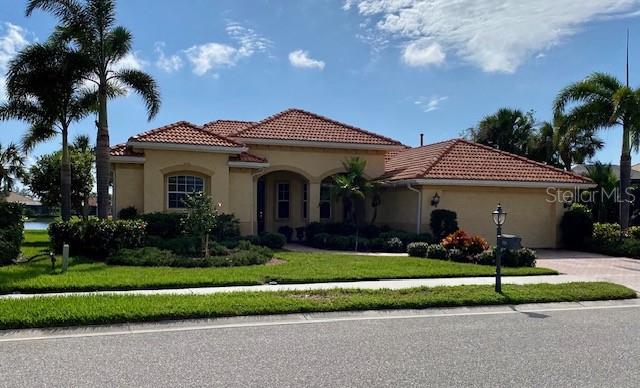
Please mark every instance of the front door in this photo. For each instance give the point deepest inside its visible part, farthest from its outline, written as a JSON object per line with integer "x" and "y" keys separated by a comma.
{"x": 261, "y": 203}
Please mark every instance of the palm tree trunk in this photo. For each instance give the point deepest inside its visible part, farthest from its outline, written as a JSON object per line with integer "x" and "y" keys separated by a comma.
{"x": 65, "y": 178}
{"x": 625, "y": 176}
{"x": 103, "y": 168}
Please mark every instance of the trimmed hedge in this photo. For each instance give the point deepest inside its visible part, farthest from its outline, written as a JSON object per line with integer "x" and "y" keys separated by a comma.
{"x": 576, "y": 228}
{"x": 97, "y": 238}
{"x": 11, "y": 231}
{"x": 154, "y": 257}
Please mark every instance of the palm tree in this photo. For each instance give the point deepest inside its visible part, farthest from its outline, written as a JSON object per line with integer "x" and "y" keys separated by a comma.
{"x": 352, "y": 187}
{"x": 90, "y": 24}
{"x": 44, "y": 87}
{"x": 11, "y": 167}
{"x": 601, "y": 101}
{"x": 508, "y": 130}
{"x": 606, "y": 180}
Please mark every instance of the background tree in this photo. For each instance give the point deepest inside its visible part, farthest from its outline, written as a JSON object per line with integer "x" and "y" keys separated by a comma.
{"x": 601, "y": 101}
{"x": 90, "y": 25}
{"x": 352, "y": 187}
{"x": 508, "y": 130}
{"x": 44, "y": 179}
{"x": 603, "y": 197}
{"x": 11, "y": 167}
{"x": 44, "y": 85}
{"x": 574, "y": 143}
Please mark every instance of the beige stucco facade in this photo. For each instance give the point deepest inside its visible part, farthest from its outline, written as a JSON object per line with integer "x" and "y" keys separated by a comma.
{"x": 143, "y": 185}
{"x": 533, "y": 213}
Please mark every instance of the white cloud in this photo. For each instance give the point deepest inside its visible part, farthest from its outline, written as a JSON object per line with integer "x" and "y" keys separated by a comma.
{"x": 130, "y": 61}
{"x": 213, "y": 55}
{"x": 167, "y": 63}
{"x": 301, "y": 58}
{"x": 495, "y": 35}
{"x": 423, "y": 52}
{"x": 12, "y": 40}
{"x": 428, "y": 104}
{"x": 210, "y": 56}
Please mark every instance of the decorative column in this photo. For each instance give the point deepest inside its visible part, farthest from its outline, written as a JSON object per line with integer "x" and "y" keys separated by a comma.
{"x": 314, "y": 201}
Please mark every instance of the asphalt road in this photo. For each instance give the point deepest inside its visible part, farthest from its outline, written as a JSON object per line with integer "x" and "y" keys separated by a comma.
{"x": 575, "y": 348}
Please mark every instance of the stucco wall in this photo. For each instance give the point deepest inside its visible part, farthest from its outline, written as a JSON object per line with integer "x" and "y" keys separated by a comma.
{"x": 160, "y": 163}
{"x": 530, "y": 214}
{"x": 129, "y": 181}
{"x": 241, "y": 196}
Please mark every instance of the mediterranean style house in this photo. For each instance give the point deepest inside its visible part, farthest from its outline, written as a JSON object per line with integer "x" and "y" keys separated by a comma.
{"x": 278, "y": 172}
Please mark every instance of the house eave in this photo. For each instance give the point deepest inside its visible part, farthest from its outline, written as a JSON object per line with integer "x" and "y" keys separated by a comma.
{"x": 186, "y": 147}
{"x": 489, "y": 183}
{"x": 318, "y": 144}
{"x": 127, "y": 159}
{"x": 248, "y": 164}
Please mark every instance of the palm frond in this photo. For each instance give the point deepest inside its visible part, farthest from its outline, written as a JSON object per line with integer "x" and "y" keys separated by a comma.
{"x": 143, "y": 84}
{"x": 37, "y": 132}
{"x": 117, "y": 43}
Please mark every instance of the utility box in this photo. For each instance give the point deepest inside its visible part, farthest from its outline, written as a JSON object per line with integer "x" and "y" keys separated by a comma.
{"x": 510, "y": 242}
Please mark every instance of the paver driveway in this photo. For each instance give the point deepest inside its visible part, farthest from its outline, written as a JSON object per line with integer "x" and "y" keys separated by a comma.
{"x": 621, "y": 270}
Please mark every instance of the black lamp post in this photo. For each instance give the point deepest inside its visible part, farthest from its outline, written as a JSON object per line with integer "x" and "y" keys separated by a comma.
{"x": 499, "y": 217}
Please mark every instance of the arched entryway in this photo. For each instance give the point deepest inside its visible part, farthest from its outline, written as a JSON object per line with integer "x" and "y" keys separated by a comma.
{"x": 283, "y": 199}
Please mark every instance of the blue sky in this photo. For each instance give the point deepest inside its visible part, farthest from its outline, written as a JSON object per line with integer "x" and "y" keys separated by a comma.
{"x": 396, "y": 67}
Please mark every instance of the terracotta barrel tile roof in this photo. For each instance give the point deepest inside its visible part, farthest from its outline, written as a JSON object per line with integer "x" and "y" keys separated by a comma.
{"x": 122, "y": 150}
{"x": 465, "y": 160}
{"x": 300, "y": 125}
{"x": 227, "y": 127}
{"x": 184, "y": 132}
{"x": 247, "y": 157}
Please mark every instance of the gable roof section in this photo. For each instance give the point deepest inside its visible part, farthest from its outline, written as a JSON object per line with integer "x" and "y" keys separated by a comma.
{"x": 123, "y": 150}
{"x": 299, "y": 127}
{"x": 185, "y": 134}
{"x": 463, "y": 160}
{"x": 227, "y": 127}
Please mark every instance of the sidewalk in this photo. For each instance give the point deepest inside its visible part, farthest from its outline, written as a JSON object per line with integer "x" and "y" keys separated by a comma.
{"x": 394, "y": 284}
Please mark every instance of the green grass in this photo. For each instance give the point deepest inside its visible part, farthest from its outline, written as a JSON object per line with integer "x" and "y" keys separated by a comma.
{"x": 103, "y": 309}
{"x": 36, "y": 277}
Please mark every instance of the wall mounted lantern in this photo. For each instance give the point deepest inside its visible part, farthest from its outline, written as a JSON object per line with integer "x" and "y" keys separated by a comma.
{"x": 435, "y": 200}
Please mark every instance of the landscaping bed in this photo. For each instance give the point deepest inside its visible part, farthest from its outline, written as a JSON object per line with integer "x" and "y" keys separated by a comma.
{"x": 86, "y": 275}
{"x": 107, "y": 309}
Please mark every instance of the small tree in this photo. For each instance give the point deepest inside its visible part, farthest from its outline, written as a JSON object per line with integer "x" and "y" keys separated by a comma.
{"x": 201, "y": 218}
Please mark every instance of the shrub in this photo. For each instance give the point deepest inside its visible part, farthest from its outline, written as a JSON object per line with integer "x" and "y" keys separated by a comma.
{"x": 128, "y": 213}
{"x": 523, "y": 257}
{"x": 312, "y": 229}
{"x": 253, "y": 239}
{"x": 183, "y": 245}
{"x": 629, "y": 248}
{"x": 632, "y": 231}
{"x": 394, "y": 244}
{"x": 152, "y": 256}
{"x": 457, "y": 240}
{"x": 339, "y": 228}
{"x": 458, "y": 255}
{"x": 97, "y": 238}
{"x": 576, "y": 227}
{"x": 443, "y": 223}
{"x": 476, "y": 245}
{"x": 11, "y": 231}
{"x": 606, "y": 234}
{"x": 418, "y": 249}
{"x": 320, "y": 240}
{"x": 376, "y": 244}
{"x": 273, "y": 240}
{"x": 287, "y": 232}
{"x": 226, "y": 227}
{"x": 166, "y": 225}
{"x": 436, "y": 251}
{"x": 370, "y": 231}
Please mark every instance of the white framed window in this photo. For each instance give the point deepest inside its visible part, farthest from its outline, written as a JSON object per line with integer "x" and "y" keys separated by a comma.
{"x": 325, "y": 201}
{"x": 283, "y": 194}
{"x": 180, "y": 186}
{"x": 305, "y": 201}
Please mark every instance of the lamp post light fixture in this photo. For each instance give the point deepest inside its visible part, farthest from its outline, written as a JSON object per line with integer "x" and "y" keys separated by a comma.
{"x": 435, "y": 200}
{"x": 499, "y": 216}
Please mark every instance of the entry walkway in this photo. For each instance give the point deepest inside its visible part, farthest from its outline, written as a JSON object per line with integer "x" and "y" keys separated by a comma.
{"x": 394, "y": 284}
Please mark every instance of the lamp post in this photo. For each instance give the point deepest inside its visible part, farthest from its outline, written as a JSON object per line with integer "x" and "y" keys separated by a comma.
{"x": 499, "y": 217}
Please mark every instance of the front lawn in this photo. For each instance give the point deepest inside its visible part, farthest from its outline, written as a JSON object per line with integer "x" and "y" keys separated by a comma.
{"x": 36, "y": 277}
{"x": 103, "y": 309}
